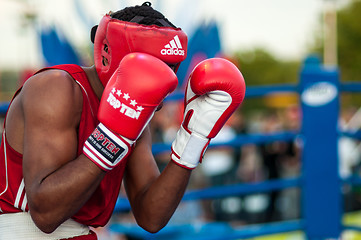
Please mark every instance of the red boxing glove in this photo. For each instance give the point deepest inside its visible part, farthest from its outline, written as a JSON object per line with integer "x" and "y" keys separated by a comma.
{"x": 214, "y": 91}
{"x": 138, "y": 86}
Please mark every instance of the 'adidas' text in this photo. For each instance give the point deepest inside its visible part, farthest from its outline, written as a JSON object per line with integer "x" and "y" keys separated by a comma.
{"x": 174, "y": 47}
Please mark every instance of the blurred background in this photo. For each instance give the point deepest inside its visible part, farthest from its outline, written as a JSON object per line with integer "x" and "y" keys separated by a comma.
{"x": 274, "y": 36}
{"x": 267, "y": 39}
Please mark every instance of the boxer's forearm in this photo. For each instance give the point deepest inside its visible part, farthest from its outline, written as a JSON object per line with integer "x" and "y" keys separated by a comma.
{"x": 156, "y": 205}
{"x": 61, "y": 194}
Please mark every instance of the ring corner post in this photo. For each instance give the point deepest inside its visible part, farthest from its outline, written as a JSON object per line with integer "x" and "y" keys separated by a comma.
{"x": 321, "y": 193}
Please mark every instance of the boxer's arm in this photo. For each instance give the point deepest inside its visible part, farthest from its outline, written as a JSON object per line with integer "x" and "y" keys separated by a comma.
{"x": 57, "y": 183}
{"x": 153, "y": 196}
{"x": 214, "y": 91}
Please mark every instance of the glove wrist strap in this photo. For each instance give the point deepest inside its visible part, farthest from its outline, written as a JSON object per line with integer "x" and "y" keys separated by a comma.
{"x": 188, "y": 148}
{"x": 105, "y": 148}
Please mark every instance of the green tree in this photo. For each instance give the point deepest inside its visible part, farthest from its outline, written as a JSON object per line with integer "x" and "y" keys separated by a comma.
{"x": 349, "y": 41}
{"x": 259, "y": 67}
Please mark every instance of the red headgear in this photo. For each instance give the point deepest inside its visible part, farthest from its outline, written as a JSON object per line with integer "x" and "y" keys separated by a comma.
{"x": 115, "y": 38}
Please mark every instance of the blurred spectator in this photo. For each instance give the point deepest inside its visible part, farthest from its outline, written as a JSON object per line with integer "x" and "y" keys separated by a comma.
{"x": 281, "y": 159}
{"x": 349, "y": 149}
{"x": 270, "y": 155}
{"x": 350, "y": 156}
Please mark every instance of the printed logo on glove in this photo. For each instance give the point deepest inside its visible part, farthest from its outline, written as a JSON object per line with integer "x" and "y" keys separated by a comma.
{"x": 110, "y": 150}
{"x": 132, "y": 112}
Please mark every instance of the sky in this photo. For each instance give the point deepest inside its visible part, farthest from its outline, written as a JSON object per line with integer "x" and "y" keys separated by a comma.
{"x": 284, "y": 27}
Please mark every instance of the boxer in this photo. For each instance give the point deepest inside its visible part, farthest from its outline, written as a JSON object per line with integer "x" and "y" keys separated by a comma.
{"x": 72, "y": 134}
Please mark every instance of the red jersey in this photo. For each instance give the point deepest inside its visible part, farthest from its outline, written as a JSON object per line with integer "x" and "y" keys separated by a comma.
{"x": 99, "y": 208}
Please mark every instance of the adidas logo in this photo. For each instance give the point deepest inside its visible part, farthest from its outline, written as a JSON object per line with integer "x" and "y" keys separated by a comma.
{"x": 174, "y": 47}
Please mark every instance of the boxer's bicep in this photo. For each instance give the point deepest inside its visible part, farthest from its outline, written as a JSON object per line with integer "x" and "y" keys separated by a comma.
{"x": 50, "y": 121}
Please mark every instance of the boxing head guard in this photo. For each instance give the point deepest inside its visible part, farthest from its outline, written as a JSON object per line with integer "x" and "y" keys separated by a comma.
{"x": 115, "y": 38}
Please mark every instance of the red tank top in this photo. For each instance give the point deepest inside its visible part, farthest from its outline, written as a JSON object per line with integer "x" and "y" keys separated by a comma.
{"x": 99, "y": 208}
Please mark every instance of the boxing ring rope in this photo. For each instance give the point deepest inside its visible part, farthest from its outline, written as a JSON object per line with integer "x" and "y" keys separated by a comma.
{"x": 320, "y": 183}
